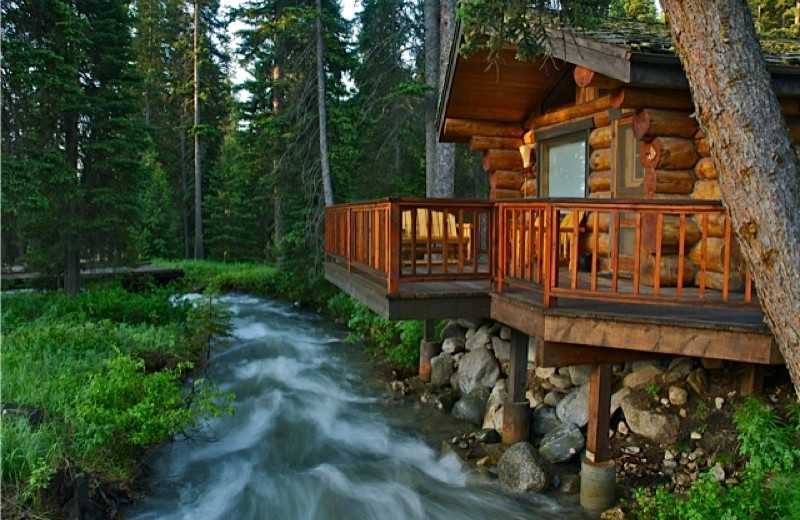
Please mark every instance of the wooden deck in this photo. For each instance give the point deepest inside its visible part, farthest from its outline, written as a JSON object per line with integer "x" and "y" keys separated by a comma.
{"x": 551, "y": 282}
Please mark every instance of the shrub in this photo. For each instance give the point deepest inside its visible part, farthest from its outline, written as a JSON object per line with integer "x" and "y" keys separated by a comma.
{"x": 769, "y": 487}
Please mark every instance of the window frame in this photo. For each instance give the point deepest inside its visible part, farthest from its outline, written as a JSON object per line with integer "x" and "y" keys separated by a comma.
{"x": 622, "y": 188}
{"x": 571, "y": 132}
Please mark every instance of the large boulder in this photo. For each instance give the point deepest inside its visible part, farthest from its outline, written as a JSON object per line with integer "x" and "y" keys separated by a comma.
{"x": 642, "y": 376}
{"x": 544, "y": 420}
{"x": 454, "y": 329}
{"x": 478, "y": 368}
{"x": 580, "y": 374}
{"x": 442, "y": 369}
{"x": 480, "y": 339}
{"x": 562, "y": 443}
{"x": 574, "y": 408}
{"x": 657, "y": 426}
{"x": 472, "y": 406}
{"x": 454, "y": 344}
{"x": 502, "y": 349}
{"x": 521, "y": 469}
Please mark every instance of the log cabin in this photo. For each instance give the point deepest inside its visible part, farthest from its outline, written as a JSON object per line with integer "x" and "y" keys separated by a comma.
{"x": 604, "y": 239}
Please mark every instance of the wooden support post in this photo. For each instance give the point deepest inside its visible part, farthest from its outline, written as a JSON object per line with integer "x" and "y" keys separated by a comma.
{"x": 518, "y": 369}
{"x": 752, "y": 379}
{"x": 516, "y": 410}
{"x": 597, "y": 450}
{"x": 428, "y": 349}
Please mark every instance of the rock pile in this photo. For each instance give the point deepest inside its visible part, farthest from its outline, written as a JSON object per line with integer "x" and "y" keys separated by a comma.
{"x": 647, "y": 406}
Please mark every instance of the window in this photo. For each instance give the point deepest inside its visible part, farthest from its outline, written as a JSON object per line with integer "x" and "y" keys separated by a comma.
{"x": 562, "y": 166}
{"x": 630, "y": 172}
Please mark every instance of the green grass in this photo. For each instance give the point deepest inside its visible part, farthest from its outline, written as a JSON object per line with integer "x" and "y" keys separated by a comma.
{"x": 770, "y": 485}
{"x": 81, "y": 362}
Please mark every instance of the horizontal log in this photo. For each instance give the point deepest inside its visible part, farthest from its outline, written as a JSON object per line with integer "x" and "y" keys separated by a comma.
{"x": 715, "y": 224}
{"x": 674, "y": 181}
{"x": 484, "y": 142}
{"x": 528, "y": 188}
{"x": 588, "y": 78}
{"x": 651, "y": 98}
{"x": 600, "y": 137}
{"x": 669, "y": 153}
{"x": 500, "y": 194}
{"x": 507, "y": 179}
{"x": 529, "y": 137}
{"x": 461, "y": 130}
{"x": 671, "y": 228}
{"x": 603, "y": 221}
{"x": 715, "y": 255}
{"x": 496, "y": 159}
{"x": 600, "y": 159}
{"x": 587, "y": 243}
{"x": 602, "y": 119}
{"x": 600, "y": 195}
{"x": 568, "y": 113}
{"x": 717, "y": 280}
{"x": 705, "y": 169}
{"x": 600, "y": 181}
{"x": 651, "y": 123}
{"x": 668, "y": 271}
{"x": 706, "y": 190}
{"x": 703, "y": 148}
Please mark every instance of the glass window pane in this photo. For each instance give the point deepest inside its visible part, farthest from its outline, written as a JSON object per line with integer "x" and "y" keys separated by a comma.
{"x": 566, "y": 169}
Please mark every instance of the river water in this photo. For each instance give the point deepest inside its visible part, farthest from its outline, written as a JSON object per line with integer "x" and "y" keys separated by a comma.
{"x": 313, "y": 437}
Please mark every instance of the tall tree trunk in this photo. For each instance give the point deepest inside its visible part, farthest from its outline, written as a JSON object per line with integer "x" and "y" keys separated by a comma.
{"x": 72, "y": 271}
{"x": 198, "y": 172}
{"x": 431, "y": 15}
{"x": 277, "y": 200}
{"x": 446, "y": 153}
{"x": 759, "y": 172}
{"x": 187, "y": 248}
{"x": 327, "y": 188}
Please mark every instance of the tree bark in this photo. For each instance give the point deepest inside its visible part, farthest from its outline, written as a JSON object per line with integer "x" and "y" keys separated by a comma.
{"x": 187, "y": 249}
{"x": 327, "y": 189}
{"x": 199, "y": 254}
{"x": 446, "y": 154}
{"x": 431, "y": 15}
{"x": 759, "y": 172}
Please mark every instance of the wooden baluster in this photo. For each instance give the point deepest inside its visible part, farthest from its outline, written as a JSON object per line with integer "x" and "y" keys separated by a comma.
{"x": 615, "y": 222}
{"x": 681, "y": 253}
{"x": 726, "y": 275}
{"x": 703, "y": 257}
{"x": 637, "y": 253}
{"x": 595, "y": 245}
{"x": 657, "y": 267}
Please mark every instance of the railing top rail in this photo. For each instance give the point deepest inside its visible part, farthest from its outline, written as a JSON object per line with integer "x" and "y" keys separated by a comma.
{"x": 417, "y": 203}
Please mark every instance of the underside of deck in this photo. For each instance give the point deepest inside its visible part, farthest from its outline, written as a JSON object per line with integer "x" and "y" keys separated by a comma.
{"x": 417, "y": 300}
{"x": 575, "y": 330}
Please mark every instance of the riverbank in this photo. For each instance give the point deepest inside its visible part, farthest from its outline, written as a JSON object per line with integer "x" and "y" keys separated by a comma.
{"x": 677, "y": 425}
{"x": 89, "y": 385}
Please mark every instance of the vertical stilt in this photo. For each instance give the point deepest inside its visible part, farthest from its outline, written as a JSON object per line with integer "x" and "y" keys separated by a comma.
{"x": 752, "y": 379}
{"x": 516, "y": 410}
{"x": 428, "y": 348}
{"x": 598, "y": 469}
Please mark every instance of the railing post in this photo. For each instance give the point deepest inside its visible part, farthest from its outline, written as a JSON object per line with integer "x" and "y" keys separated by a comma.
{"x": 550, "y": 253}
{"x": 350, "y": 238}
{"x": 393, "y": 233}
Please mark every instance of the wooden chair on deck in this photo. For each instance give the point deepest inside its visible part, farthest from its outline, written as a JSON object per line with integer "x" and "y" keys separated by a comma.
{"x": 527, "y": 240}
{"x": 435, "y": 234}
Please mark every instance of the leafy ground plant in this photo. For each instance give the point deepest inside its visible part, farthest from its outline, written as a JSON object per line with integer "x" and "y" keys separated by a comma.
{"x": 769, "y": 488}
{"x": 79, "y": 366}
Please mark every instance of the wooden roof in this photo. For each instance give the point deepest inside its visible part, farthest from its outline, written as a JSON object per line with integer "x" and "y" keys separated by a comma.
{"x": 636, "y": 54}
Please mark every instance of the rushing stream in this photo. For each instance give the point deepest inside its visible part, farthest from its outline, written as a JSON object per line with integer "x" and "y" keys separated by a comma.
{"x": 313, "y": 437}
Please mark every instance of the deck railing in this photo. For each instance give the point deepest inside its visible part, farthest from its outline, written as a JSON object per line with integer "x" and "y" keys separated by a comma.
{"x": 666, "y": 252}
{"x": 413, "y": 240}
